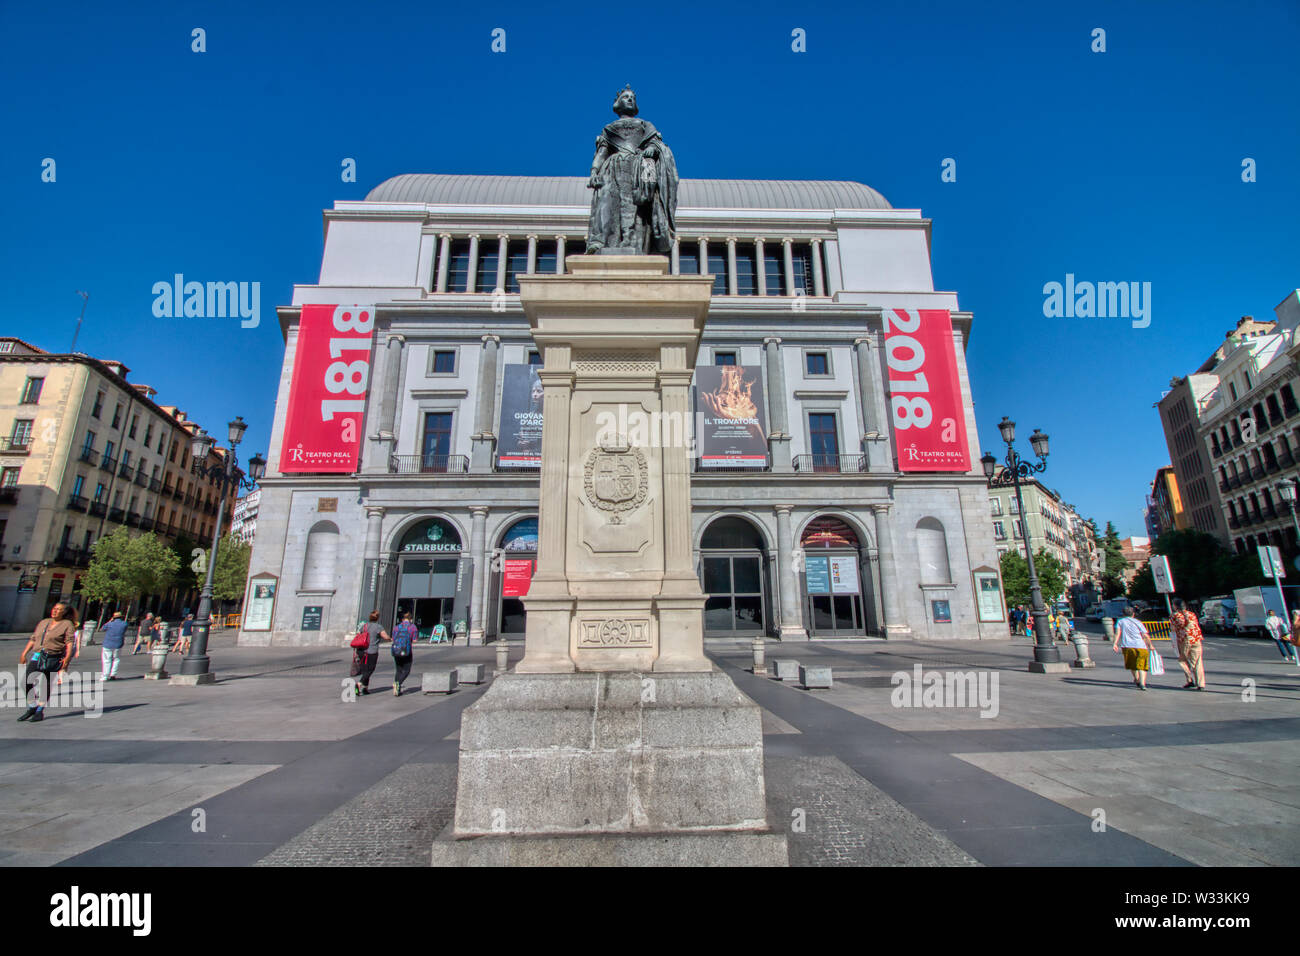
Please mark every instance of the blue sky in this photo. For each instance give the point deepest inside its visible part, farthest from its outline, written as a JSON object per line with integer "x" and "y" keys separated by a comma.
{"x": 1115, "y": 166}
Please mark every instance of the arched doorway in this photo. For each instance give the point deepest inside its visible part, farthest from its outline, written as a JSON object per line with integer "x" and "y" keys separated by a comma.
{"x": 733, "y": 565}
{"x": 513, "y": 574}
{"x": 428, "y": 558}
{"x": 833, "y": 592}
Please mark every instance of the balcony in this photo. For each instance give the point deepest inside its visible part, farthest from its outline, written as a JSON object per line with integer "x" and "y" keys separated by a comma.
{"x": 88, "y": 455}
{"x": 98, "y": 509}
{"x": 830, "y": 464}
{"x": 117, "y": 514}
{"x": 133, "y": 519}
{"x": 1223, "y": 484}
{"x": 428, "y": 464}
{"x": 141, "y": 479}
{"x": 1271, "y": 466}
{"x": 1270, "y": 511}
{"x": 1275, "y": 417}
{"x": 1286, "y": 459}
{"x": 1234, "y": 481}
{"x": 1256, "y": 473}
{"x": 107, "y": 463}
{"x": 77, "y": 503}
{"x": 146, "y": 523}
{"x": 9, "y": 496}
{"x": 126, "y": 471}
{"x": 15, "y": 446}
{"x": 72, "y": 557}
{"x": 189, "y": 501}
{"x": 1289, "y": 410}
{"x": 156, "y": 485}
{"x": 1234, "y": 523}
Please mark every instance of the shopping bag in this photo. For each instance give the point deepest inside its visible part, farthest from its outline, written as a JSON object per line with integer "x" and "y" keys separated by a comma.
{"x": 1157, "y": 664}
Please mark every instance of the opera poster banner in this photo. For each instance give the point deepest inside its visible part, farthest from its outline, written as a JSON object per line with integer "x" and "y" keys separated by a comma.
{"x": 516, "y": 577}
{"x": 520, "y": 444}
{"x": 924, "y": 392}
{"x": 327, "y": 394}
{"x": 731, "y": 431}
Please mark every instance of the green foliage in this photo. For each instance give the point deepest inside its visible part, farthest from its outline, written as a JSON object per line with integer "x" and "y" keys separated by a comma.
{"x": 1201, "y": 567}
{"x": 232, "y": 569}
{"x": 123, "y": 568}
{"x": 1112, "y": 578}
{"x": 186, "y": 578}
{"x": 1015, "y": 577}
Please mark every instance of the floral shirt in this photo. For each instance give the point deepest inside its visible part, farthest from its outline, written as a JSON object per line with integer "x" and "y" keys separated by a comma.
{"x": 1186, "y": 626}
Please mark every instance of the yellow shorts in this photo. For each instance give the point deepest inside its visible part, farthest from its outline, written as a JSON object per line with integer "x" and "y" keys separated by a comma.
{"x": 1135, "y": 658}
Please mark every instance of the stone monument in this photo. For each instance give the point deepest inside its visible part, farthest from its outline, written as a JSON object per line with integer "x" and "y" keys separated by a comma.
{"x": 615, "y": 740}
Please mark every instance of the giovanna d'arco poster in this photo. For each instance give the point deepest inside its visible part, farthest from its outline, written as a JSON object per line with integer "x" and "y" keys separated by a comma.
{"x": 924, "y": 392}
{"x": 327, "y": 394}
{"x": 521, "y": 417}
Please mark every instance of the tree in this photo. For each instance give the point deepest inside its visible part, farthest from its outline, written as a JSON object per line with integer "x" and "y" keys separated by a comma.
{"x": 232, "y": 569}
{"x": 1015, "y": 577}
{"x": 1115, "y": 564}
{"x": 123, "y": 568}
{"x": 1200, "y": 566}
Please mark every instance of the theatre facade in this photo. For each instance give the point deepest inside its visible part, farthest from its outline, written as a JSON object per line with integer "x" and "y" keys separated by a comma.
{"x": 836, "y": 487}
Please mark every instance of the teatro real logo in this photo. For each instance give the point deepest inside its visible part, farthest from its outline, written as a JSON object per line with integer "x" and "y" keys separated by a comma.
{"x": 616, "y": 479}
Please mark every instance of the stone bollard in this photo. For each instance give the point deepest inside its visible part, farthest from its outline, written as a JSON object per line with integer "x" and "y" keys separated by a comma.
{"x": 1108, "y": 625}
{"x": 470, "y": 673}
{"x": 503, "y": 657}
{"x": 157, "y": 662}
{"x": 759, "y": 648}
{"x": 88, "y": 633}
{"x": 784, "y": 670}
{"x": 1082, "y": 659}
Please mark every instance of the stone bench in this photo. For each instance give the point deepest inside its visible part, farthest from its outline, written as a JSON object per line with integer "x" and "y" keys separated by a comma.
{"x": 814, "y": 677}
{"x": 785, "y": 670}
{"x": 438, "y": 682}
{"x": 471, "y": 673}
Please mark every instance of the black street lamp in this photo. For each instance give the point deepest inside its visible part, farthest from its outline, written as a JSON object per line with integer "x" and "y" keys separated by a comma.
{"x": 1045, "y": 650}
{"x": 1286, "y": 490}
{"x": 194, "y": 669}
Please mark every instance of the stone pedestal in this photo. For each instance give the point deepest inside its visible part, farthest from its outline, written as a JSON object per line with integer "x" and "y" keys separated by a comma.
{"x": 615, "y": 740}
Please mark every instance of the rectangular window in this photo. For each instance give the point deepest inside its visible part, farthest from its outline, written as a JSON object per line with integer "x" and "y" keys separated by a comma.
{"x": 724, "y": 358}
{"x": 117, "y": 416}
{"x": 774, "y": 269}
{"x": 485, "y": 280}
{"x": 999, "y": 532}
{"x": 148, "y": 434}
{"x": 688, "y": 259}
{"x": 126, "y": 458}
{"x": 99, "y": 491}
{"x": 78, "y": 485}
{"x": 109, "y": 448}
{"x": 89, "y": 446}
{"x": 516, "y": 263}
{"x": 534, "y": 357}
{"x": 803, "y": 280}
{"x": 546, "y": 257}
{"x": 22, "y": 434}
{"x": 99, "y": 405}
{"x": 135, "y": 422}
{"x": 996, "y": 506}
{"x": 458, "y": 272}
{"x": 32, "y": 391}
{"x": 817, "y": 363}
{"x": 172, "y": 456}
{"x": 824, "y": 441}
{"x": 746, "y": 271}
{"x": 718, "y": 267}
{"x": 437, "y": 441}
{"x": 9, "y": 478}
{"x": 442, "y": 362}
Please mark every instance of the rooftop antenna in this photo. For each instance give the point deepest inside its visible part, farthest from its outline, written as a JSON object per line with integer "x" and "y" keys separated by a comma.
{"x": 85, "y": 298}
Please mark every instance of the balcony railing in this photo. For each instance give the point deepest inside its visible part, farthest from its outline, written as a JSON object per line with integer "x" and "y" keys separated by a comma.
{"x": 126, "y": 471}
{"x": 107, "y": 463}
{"x": 98, "y": 509}
{"x": 88, "y": 455}
{"x": 77, "y": 503}
{"x": 428, "y": 464}
{"x": 15, "y": 446}
{"x": 1234, "y": 523}
{"x": 1256, "y": 473}
{"x": 8, "y": 496}
{"x": 1234, "y": 481}
{"x": 146, "y": 524}
{"x": 72, "y": 557}
{"x": 155, "y": 484}
{"x": 1271, "y": 466}
{"x": 133, "y": 519}
{"x": 141, "y": 479}
{"x": 842, "y": 464}
{"x": 116, "y": 514}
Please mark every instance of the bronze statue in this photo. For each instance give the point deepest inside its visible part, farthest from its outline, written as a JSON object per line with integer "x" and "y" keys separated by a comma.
{"x": 634, "y": 178}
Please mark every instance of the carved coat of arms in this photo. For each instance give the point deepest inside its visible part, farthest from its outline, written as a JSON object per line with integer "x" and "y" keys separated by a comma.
{"x": 616, "y": 479}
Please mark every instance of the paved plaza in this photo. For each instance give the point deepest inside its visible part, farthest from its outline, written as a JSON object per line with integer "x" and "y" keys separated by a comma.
{"x": 270, "y": 766}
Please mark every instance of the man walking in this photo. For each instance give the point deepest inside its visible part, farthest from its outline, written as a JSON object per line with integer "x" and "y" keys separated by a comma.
{"x": 1187, "y": 634}
{"x": 145, "y": 634}
{"x": 110, "y": 653}
{"x": 1281, "y": 634}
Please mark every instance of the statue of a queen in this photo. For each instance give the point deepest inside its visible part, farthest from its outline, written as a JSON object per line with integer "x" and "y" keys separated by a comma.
{"x": 634, "y": 183}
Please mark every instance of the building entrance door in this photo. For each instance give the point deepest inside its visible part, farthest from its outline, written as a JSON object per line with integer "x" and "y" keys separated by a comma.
{"x": 733, "y": 567}
{"x": 426, "y": 588}
{"x": 833, "y": 592}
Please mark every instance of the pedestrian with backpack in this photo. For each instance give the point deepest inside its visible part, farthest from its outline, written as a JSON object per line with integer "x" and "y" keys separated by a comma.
{"x": 404, "y": 638}
{"x": 375, "y": 633}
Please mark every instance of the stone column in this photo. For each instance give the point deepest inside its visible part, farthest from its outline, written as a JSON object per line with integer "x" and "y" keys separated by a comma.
{"x": 791, "y": 628}
{"x": 873, "y": 572}
{"x": 549, "y": 604}
{"x": 760, "y": 267}
{"x": 819, "y": 281}
{"x": 876, "y": 449}
{"x": 471, "y": 272}
{"x": 503, "y": 246}
{"x": 385, "y": 441}
{"x": 779, "y": 438}
{"x": 484, "y": 439}
{"x": 895, "y": 622}
{"x": 676, "y": 267}
{"x": 787, "y": 247}
{"x": 559, "y": 255}
{"x": 532, "y": 254}
{"x": 444, "y": 260}
{"x": 732, "y": 278}
{"x": 704, "y": 255}
{"x": 370, "y": 597}
{"x": 478, "y": 551}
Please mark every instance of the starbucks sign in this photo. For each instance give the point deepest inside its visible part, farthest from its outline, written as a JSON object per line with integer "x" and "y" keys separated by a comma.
{"x": 431, "y": 537}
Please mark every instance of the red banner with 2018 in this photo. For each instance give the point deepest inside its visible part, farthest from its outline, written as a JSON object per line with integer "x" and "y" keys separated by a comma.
{"x": 925, "y": 401}
{"x": 327, "y": 395}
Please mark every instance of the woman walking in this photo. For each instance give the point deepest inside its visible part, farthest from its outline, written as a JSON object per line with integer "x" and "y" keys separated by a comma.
{"x": 376, "y": 633}
{"x": 50, "y": 646}
{"x": 1131, "y": 635}
{"x": 187, "y": 632}
{"x": 404, "y": 638}
{"x": 1187, "y": 632}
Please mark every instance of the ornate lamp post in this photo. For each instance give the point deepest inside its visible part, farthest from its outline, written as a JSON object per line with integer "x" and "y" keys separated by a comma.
{"x": 1045, "y": 651}
{"x": 194, "y": 669}
{"x": 1286, "y": 490}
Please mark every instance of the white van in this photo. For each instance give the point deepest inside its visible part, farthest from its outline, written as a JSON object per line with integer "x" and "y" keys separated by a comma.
{"x": 1219, "y": 616}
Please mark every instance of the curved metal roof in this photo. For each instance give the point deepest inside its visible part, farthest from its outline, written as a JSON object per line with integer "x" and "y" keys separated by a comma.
{"x": 455, "y": 190}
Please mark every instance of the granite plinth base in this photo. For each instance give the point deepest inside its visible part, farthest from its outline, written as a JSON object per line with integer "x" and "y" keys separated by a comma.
{"x": 191, "y": 680}
{"x": 1049, "y": 667}
{"x": 651, "y": 758}
{"x": 646, "y": 849}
